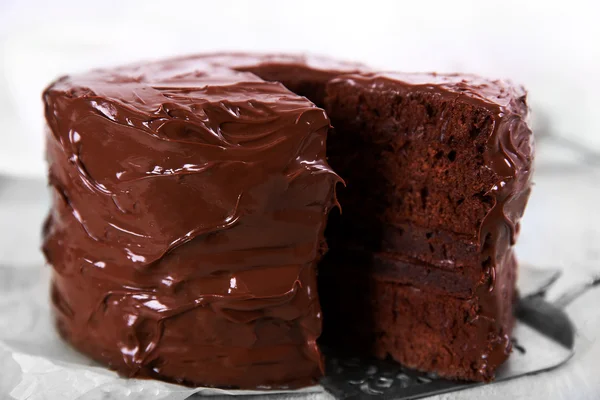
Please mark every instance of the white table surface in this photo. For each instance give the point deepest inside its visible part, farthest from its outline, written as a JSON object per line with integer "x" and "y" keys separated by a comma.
{"x": 561, "y": 229}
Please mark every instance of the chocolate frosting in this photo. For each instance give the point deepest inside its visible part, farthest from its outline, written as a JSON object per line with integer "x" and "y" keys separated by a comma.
{"x": 189, "y": 202}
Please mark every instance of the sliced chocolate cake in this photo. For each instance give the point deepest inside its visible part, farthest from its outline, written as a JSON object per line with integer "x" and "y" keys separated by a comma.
{"x": 191, "y": 196}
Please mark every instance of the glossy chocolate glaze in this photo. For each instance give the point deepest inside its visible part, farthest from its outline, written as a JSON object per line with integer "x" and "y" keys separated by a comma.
{"x": 189, "y": 203}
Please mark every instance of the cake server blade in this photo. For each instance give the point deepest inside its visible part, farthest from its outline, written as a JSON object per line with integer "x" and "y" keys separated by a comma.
{"x": 548, "y": 319}
{"x": 536, "y": 281}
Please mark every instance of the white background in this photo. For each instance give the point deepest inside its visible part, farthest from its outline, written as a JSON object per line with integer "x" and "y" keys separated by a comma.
{"x": 552, "y": 47}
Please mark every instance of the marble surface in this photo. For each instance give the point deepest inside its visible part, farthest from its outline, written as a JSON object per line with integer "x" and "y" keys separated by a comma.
{"x": 561, "y": 229}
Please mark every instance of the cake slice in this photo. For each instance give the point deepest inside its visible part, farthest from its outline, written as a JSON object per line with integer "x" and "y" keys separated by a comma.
{"x": 437, "y": 172}
{"x": 188, "y": 214}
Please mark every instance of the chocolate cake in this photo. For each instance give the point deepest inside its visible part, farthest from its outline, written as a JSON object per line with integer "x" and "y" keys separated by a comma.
{"x": 191, "y": 198}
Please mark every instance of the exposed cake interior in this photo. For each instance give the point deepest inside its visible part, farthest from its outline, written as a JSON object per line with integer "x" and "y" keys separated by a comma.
{"x": 413, "y": 163}
{"x": 432, "y": 215}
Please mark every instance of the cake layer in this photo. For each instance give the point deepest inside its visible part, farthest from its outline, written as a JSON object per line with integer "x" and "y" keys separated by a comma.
{"x": 424, "y": 329}
{"x": 459, "y": 282}
{"x": 188, "y": 215}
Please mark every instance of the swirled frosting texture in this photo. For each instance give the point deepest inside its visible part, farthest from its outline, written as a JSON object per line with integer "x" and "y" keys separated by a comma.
{"x": 189, "y": 203}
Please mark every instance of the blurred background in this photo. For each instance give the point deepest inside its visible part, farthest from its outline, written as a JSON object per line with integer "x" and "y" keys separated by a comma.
{"x": 551, "y": 47}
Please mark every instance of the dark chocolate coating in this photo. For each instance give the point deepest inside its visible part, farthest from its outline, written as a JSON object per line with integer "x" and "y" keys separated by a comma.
{"x": 189, "y": 203}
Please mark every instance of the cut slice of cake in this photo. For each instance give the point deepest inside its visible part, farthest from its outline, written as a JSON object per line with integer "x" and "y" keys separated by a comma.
{"x": 437, "y": 172}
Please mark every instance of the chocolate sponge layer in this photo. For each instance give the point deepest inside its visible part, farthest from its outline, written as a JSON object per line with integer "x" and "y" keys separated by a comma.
{"x": 437, "y": 173}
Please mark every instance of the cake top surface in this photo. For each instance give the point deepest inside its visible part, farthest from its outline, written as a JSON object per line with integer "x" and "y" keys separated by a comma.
{"x": 500, "y": 93}
{"x": 184, "y": 81}
{"x": 196, "y": 77}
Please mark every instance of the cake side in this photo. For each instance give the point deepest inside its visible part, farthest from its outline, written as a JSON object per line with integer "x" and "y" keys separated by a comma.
{"x": 189, "y": 204}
